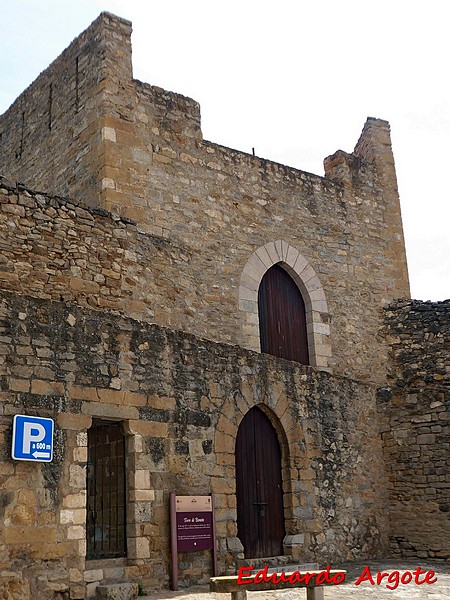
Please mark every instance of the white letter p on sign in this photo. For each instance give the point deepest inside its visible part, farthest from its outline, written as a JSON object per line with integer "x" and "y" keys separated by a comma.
{"x": 29, "y": 437}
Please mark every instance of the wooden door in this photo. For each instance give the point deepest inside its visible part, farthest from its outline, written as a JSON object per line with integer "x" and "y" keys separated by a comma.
{"x": 259, "y": 487}
{"x": 282, "y": 317}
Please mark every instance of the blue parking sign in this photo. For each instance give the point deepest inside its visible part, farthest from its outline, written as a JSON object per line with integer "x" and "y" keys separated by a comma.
{"x": 32, "y": 438}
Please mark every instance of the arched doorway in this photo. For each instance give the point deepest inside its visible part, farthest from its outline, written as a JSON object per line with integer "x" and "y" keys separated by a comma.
{"x": 282, "y": 317}
{"x": 259, "y": 487}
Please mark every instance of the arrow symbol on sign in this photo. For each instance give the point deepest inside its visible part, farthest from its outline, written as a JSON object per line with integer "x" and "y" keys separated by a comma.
{"x": 41, "y": 454}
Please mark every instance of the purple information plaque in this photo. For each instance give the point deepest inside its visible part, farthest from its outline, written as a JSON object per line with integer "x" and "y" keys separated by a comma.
{"x": 192, "y": 527}
{"x": 194, "y": 531}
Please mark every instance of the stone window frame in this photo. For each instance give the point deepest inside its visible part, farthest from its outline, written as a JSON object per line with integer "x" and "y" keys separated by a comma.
{"x": 139, "y": 497}
{"x": 316, "y": 306}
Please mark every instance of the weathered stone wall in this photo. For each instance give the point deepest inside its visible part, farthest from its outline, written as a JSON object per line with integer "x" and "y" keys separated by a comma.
{"x": 137, "y": 151}
{"x": 73, "y": 253}
{"x": 415, "y": 421}
{"x": 51, "y": 136}
{"x": 181, "y": 400}
{"x": 227, "y": 205}
{"x": 54, "y": 248}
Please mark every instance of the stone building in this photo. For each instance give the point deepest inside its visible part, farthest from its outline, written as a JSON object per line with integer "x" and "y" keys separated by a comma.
{"x": 199, "y": 320}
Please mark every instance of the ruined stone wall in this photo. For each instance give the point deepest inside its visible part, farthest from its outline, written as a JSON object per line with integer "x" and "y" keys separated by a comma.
{"x": 137, "y": 151}
{"x": 51, "y": 138}
{"x": 54, "y": 248}
{"x": 181, "y": 400}
{"x": 415, "y": 421}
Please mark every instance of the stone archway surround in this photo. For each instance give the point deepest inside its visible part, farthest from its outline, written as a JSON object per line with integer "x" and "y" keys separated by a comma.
{"x": 308, "y": 282}
{"x": 274, "y": 402}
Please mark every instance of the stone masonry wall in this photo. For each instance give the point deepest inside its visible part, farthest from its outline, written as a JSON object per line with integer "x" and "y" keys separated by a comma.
{"x": 180, "y": 399}
{"x": 51, "y": 136}
{"x": 415, "y": 418}
{"x": 227, "y": 205}
{"x": 137, "y": 151}
{"x": 54, "y": 248}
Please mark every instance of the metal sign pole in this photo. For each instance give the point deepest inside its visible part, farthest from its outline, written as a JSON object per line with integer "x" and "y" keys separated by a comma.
{"x": 173, "y": 541}
{"x": 214, "y": 542}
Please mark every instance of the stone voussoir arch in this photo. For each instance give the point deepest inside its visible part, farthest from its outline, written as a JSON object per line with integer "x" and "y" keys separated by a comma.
{"x": 316, "y": 306}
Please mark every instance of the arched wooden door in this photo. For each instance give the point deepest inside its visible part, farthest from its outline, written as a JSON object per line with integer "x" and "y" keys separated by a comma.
{"x": 282, "y": 317}
{"x": 259, "y": 490}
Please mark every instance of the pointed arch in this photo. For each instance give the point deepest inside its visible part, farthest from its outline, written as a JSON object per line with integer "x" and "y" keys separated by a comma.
{"x": 282, "y": 316}
{"x": 259, "y": 486}
{"x": 305, "y": 277}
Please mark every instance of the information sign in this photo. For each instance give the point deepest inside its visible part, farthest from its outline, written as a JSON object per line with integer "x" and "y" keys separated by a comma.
{"x": 193, "y": 528}
{"x": 32, "y": 438}
{"x": 194, "y": 531}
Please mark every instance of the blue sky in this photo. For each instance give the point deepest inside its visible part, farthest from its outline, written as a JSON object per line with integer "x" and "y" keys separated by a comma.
{"x": 293, "y": 79}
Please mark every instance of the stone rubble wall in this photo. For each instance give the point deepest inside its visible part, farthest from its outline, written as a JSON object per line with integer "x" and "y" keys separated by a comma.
{"x": 415, "y": 424}
{"x": 54, "y": 248}
{"x": 181, "y": 400}
{"x": 73, "y": 252}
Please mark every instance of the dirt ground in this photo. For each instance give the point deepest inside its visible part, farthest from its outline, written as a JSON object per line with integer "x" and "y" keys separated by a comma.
{"x": 440, "y": 590}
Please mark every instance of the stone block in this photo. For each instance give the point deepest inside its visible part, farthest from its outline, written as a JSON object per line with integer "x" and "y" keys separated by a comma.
{"x": 74, "y": 421}
{"x": 83, "y": 285}
{"x": 224, "y": 443}
{"x": 82, "y": 393}
{"x": 162, "y": 402}
{"x": 118, "y": 591}
{"x": 25, "y": 535}
{"x": 134, "y": 399}
{"x": 77, "y": 476}
{"x": 142, "y": 495}
{"x": 19, "y": 385}
{"x": 97, "y": 409}
{"x": 294, "y": 540}
{"x": 77, "y": 592}
{"x": 141, "y": 479}
{"x": 248, "y": 294}
{"x": 75, "y": 575}
{"x": 108, "y": 133}
{"x": 93, "y": 575}
{"x": 427, "y": 438}
{"x": 76, "y": 516}
{"x": 23, "y": 515}
{"x": 80, "y": 454}
{"x": 263, "y": 255}
{"x": 76, "y": 532}
{"x": 146, "y": 428}
{"x": 138, "y": 548}
{"x": 47, "y": 388}
{"x": 135, "y": 444}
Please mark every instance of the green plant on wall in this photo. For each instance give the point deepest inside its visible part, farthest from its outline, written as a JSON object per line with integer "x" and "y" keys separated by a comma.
{"x": 141, "y": 591}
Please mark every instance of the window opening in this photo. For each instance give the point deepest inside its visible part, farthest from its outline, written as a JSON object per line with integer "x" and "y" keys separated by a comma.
{"x": 106, "y": 491}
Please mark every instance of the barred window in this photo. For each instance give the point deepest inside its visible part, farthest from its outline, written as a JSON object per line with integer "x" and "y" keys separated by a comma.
{"x": 106, "y": 491}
